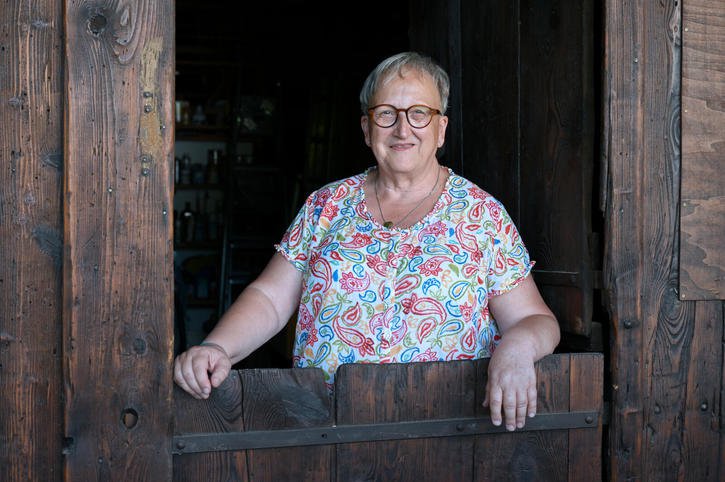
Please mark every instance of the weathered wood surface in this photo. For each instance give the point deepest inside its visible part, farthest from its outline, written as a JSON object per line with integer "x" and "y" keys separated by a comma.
{"x": 528, "y": 133}
{"x": 364, "y": 394}
{"x": 117, "y": 264}
{"x": 222, "y": 412}
{"x": 31, "y": 240}
{"x": 276, "y": 399}
{"x": 399, "y": 393}
{"x": 667, "y": 355}
{"x": 702, "y": 224}
{"x": 556, "y": 137}
{"x": 434, "y": 29}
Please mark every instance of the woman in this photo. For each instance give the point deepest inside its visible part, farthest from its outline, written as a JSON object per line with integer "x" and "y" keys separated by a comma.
{"x": 405, "y": 262}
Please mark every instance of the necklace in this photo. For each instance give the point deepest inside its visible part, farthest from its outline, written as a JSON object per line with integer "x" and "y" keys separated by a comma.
{"x": 390, "y": 224}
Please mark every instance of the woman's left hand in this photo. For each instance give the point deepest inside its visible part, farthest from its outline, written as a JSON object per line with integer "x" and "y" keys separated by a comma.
{"x": 511, "y": 387}
{"x": 529, "y": 331}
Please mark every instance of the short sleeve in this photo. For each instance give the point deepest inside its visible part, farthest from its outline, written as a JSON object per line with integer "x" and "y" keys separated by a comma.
{"x": 509, "y": 263}
{"x": 295, "y": 242}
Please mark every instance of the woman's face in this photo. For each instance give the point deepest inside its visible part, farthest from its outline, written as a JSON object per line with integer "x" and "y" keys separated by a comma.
{"x": 402, "y": 148}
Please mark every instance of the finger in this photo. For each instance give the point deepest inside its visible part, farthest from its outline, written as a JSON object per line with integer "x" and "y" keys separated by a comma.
{"x": 200, "y": 376}
{"x": 180, "y": 379}
{"x": 220, "y": 371}
{"x": 494, "y": 397}
{"x": 522, "y": 404}
{"x": 532, "y": 395}
{"x": 509, "y": 410}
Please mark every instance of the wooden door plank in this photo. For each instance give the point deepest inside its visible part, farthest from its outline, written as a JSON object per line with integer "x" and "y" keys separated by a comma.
{"x": 586, "y": 385}
{"x": 117, "y": 284}
{"x": 434, "y": 29}
{"x": 221, "y": 412}
{"x": 650, "y": 327}
{"x": 703, "y": 404}
{"x": 490, "y": 83}
{"x": 702, "y": 236}
{"x": 528, "y": 119}
{"x": 31, "y": 240}
{"x": 287, "y": 398}
{"x": 405, "y": 392}
{"x": 556, "y": 115}
{"x": 529, "y": 455}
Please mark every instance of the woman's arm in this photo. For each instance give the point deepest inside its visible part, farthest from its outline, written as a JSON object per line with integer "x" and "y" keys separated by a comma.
{"x": 259, "y": 313}
{"x": 529, "y": 331}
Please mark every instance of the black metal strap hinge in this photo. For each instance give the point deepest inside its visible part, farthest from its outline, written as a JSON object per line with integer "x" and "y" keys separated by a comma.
{"x": 339, "y": 434}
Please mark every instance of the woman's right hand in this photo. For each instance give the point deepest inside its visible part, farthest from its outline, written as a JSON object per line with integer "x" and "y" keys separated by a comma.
{"x": 200, "y": 368}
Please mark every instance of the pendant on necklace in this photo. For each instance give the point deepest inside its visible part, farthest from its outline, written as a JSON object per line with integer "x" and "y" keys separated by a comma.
{"x": 388, "y": 224}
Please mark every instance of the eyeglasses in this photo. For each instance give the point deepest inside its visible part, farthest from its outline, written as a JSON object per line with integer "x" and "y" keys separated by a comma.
{"x": 386, "y": 115}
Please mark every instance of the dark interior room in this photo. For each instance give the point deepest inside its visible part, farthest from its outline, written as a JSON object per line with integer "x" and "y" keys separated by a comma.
{"x": 267, "y": 111}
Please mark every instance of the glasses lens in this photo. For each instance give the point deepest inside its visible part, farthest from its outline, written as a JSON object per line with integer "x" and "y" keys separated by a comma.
{"x": 419, "y": 115}
{"x": 385, "y": 115}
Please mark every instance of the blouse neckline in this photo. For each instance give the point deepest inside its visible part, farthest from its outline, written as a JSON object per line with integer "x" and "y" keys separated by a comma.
{"x": 421, "y": 222}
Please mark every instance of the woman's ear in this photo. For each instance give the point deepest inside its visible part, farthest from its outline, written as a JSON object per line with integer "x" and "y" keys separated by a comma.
{"x": 442, "y": 124}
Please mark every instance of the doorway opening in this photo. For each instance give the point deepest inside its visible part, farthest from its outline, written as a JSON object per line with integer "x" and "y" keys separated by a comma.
{"x": 267, "y": 111}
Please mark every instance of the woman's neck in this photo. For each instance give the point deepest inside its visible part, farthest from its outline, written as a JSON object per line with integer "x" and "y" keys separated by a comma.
{"x": 396, "y": 184}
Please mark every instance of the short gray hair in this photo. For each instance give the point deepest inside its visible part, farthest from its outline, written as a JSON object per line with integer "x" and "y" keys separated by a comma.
{"x": 395, "y": 65}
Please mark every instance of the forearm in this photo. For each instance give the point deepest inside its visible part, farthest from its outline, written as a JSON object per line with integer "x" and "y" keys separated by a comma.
{"x": 536, "y": 335}
{"x": 251, "y": 320}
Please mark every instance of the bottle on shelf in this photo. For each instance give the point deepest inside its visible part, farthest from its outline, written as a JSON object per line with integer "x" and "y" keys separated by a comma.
{"x": 199, "y": 117}
{"x": 212, "y": 166}
{"x": 185, "y": 169}
{"x": 187, "y": 224}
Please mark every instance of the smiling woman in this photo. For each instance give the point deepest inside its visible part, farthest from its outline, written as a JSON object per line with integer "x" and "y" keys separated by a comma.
{"x": 357, "y": 281}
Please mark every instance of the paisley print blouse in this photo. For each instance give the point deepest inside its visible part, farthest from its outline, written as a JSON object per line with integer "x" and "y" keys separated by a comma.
{"x": 386, "y": 295}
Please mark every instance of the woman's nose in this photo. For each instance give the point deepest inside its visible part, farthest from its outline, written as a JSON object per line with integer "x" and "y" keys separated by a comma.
{"x": 402, "y": 127}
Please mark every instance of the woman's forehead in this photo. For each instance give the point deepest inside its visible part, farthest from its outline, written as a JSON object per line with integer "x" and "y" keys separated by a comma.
{"x": 407, "y": 82}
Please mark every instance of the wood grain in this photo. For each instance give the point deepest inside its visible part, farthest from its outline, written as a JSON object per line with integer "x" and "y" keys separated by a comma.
{"x": 221, "y": 412}
{"x": 702, "y": 237}
{"x": 586, "y": 385}
{"x": 652, "y": 330}
{"x": 528, "y": 133}
{"x": 270, "y": 399}
{"x": 285, "y": 398}
{"x": 702, "y": 438}
{"x": 540, "y": 455}
{"x": 117, "y": 276}
{"x": 31, "y": 240}
{"x": 404, "y": 392}
{"x": 556, "y": 116}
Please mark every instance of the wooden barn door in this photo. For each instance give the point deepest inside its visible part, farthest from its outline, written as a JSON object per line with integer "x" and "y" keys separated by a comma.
{"x": 418, "y": 422}
{"x": 522, "y": 126}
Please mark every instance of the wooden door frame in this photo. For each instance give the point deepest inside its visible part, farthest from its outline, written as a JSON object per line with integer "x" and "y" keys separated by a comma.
{"x": 118, "y": 252}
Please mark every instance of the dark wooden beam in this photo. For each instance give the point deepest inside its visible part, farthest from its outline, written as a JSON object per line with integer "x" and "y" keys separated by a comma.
{"x": 31, "y": 240}
{"x": 118, "y": 283}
